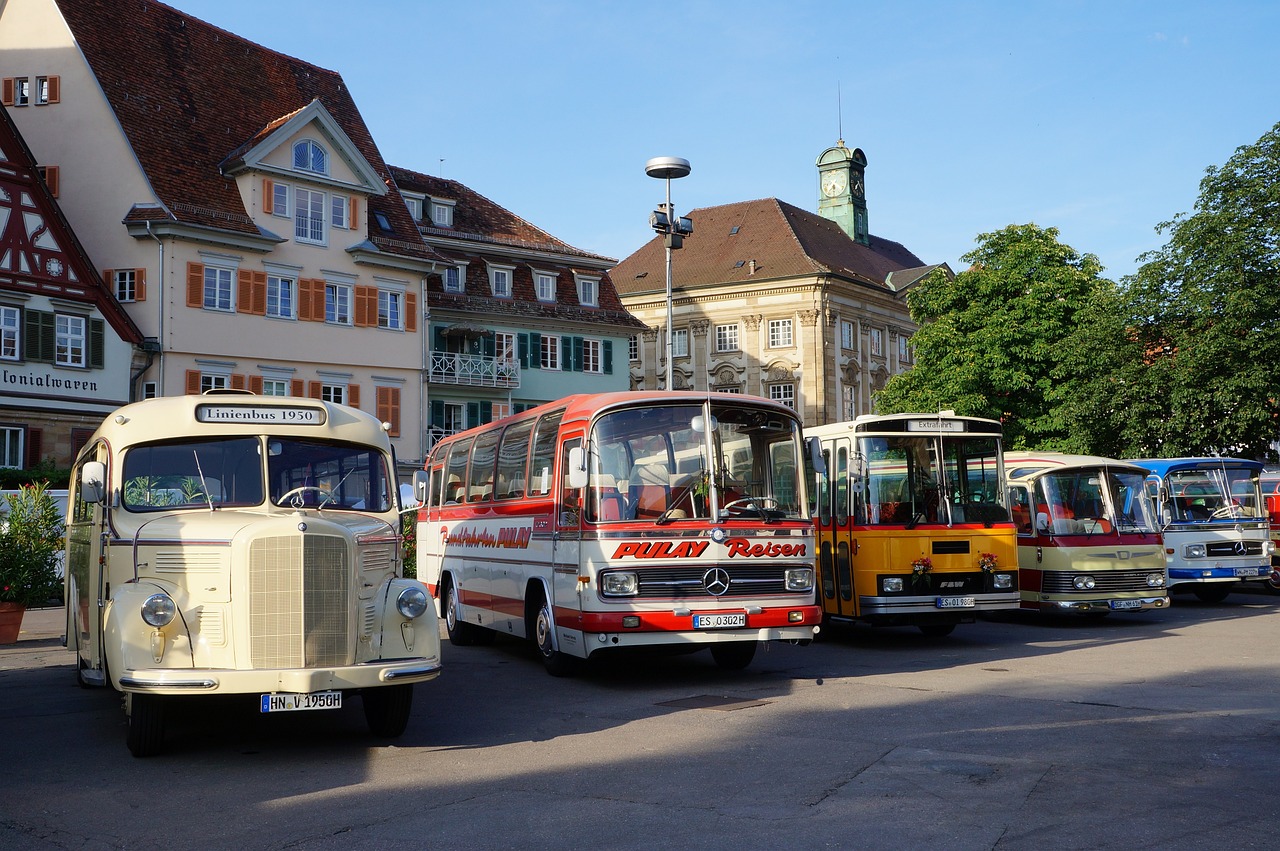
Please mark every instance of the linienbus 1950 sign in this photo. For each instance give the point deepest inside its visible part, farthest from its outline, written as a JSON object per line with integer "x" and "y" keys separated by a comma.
{"x": 247, "y": 414}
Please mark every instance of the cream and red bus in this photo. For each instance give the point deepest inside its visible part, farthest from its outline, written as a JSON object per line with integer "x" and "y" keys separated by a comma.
{"x": 1088, "y": 538}
{"x": 623, "y": 520}
{"x": 243, "y": 545}
{"x": 912, "y": 524}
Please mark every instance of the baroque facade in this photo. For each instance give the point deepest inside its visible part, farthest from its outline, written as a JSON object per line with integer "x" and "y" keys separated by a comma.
{"x": 772, "y": 300}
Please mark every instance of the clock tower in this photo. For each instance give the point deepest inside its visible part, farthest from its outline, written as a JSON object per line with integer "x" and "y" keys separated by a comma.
{"x": 843, "y": 199}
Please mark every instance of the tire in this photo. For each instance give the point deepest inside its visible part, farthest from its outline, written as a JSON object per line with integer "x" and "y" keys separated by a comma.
{"x": 937, "y": 630}
{"x": 386, "y": 709}
{"x": 734, "y": 655}
{"x": 1215, "y": 593}
{"x": 146, "y": 724}
{"x": 1271, "y": 583}
{"x": 461, "y": 633}
{"x": 557, "y": 664}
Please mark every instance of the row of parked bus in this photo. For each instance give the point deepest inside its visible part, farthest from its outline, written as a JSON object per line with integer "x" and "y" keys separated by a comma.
{"x": 248, "y": 545}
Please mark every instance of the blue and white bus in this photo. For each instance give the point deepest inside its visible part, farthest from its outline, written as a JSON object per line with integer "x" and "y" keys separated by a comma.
{"x": 1215, "y": 525}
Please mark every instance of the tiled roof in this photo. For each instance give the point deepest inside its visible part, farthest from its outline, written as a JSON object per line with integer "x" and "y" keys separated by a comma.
{"x": 782, "y": 240}
{"x": 189, "y": 94}
{"x": 478, "y": 218}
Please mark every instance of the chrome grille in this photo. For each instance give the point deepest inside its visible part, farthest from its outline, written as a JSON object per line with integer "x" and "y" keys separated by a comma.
{"x": 1104, "y": 581}
{"x": 299, "y": 602}
{"x": 680, "y": 582}
{"x": 1226, "y": 549}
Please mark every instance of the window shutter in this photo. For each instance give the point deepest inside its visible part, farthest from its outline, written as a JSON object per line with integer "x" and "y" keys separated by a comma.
{"x": 255, "y": 384}
{"x": 195, "y": 285}
{"x": 40, "y": 330}
{"x": 268, "y": 195}
{"x": 366, "y": 306}
{"x": 437, "y": 338}
{"x": 35, "y": 445}
{"x": 486, "y": 412}
{"x": 566, "y": 354}
{"x": 139, "y": 284}
{"x": 109, "y": 279}
{"x": 97, "y": 343}
{"x": 489, "y": 346}
{"x": 535, "y": 350}
{"x": 313, "y": 389}
{"x": 522, "y": 349}
{"x": 473, "y": 414}
{"x": 244, "y": 291}
{"x": 50, "y": 174}
{"x": 353, "y": 205}
{"x": 411, "y": 311}
{"x": 606, "y": 349}
{"x": 237, "y": 381}
{"x": 193, "y": 382}
{"x": 578, "y": 345}
{"x": 55, "y": 88}
{"x": 437, "y": 413}
{"x": 6, "y": 96}
{"x": 258, "y": 287}
{"x": 388, "y": 408}
{"x": 353, "y": 395}
{"x": 296, "y": 387}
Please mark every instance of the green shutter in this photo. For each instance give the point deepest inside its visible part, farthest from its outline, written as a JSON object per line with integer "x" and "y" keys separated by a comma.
{"x": 41, "y": 336}
{"x": 437, "y": 413}
{"x": 535, "y": 350}
{"x": 486, "y": 412}
{"x": 97, "y": 344}
{"x": 489, "y": 346}
{"x": 437, "y": 338}
{"x": 566, "y": 354}
{"x": 607, "y": 356}
{"x": 473, "y": 414}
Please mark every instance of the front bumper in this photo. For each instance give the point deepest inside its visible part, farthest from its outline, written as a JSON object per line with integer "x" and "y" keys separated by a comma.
{"x": 297, "y": 681}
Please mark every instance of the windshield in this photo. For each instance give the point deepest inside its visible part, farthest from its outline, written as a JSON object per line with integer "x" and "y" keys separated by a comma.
{"x": 228, "y": 472}
{"x": 1093, "y": 501}
{"x": 926, "y": 479}
{"x": 1213, "y": 494}
{"x": 667, "y": 463}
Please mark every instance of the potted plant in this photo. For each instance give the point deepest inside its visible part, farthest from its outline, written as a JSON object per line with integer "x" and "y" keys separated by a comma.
{"x": 30, "y": 542}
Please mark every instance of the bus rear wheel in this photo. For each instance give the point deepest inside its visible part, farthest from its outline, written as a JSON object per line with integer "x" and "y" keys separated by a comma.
{"x": 386, "y": 709}
{"x": 146, "y": 724}
{"x": 734, "y": 655}
{"x": 461, "y": 633}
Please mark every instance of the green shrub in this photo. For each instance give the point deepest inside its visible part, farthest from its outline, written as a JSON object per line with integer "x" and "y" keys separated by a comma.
{"x": 31, "y": 538}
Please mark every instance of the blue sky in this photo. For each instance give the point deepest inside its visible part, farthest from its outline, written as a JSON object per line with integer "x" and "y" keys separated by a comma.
{"x": 1097, "y": 118}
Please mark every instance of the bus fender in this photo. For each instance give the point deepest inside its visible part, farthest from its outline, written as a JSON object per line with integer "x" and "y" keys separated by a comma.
{"x": 130, "y": 644}
{"x": 536, "y": 585}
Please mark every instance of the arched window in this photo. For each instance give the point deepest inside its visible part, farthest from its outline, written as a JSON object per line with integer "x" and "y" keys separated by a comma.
{"x": 309, "y": 156}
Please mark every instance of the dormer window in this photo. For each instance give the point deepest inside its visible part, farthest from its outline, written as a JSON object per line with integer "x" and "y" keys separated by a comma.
{"x": 588, "y": 291}
{"x": 442, "y": 212}
{"x": 415, "y": 207}
{"x": 545, "y": 285}
{"x": 309, "y": 156}
{"x": 453, "y": 279}
{"x": 500, "y": 280}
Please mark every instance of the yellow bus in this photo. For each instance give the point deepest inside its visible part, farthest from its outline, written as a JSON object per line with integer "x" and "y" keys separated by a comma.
{"x": 247, "y": 545}
{"x": 912, "y": 525}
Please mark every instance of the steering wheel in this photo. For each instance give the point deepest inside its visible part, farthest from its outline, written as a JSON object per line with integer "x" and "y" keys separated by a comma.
{"x": 1228, "y": 510}
{"x": 299, "y": 491}
{"x": 754, "y": 503}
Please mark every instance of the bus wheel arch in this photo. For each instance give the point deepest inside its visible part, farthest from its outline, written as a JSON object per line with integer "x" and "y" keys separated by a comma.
{"x": 734, "y": 655}
{"x": 461, "y": 633}
{"x": 540, "y": 626}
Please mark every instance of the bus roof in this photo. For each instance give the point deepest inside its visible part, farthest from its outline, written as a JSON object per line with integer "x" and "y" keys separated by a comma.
{"x": 1164, "y": 466}
{"x": 1021, "y": 465}
{"x": 868, "y": 423}
{"x": 583, "y": 406}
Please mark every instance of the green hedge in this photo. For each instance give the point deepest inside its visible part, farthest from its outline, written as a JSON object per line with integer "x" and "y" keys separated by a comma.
{"x": 56, "y": 479}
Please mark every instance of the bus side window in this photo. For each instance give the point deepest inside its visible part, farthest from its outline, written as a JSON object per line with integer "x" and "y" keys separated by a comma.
{"x": 1020, "y": 508}
{"x": 513, "y": 456}
{"x": 570, "y": 498}
{"x": 456, "y": 472}
{"x": 484, "y": 455}
{"x": 544, "y": 454}
{"x": 842, "y": 486}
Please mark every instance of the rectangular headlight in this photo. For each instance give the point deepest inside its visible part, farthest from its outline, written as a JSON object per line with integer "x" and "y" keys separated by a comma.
{"x": 1002, "y": 580}
{"x": 619, "y": 583}
{"x": 1195, "y": 551}
{"x": 892, "y": 584}
{"x": 799, "y": 579}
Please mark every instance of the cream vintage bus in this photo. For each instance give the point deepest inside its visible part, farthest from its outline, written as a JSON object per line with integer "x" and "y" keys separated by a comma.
{"x": 248, "y": 545}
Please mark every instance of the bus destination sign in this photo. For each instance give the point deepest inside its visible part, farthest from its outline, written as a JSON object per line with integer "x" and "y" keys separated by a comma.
{"x": 260, "y": 415}
{"x": 935, "y": 425}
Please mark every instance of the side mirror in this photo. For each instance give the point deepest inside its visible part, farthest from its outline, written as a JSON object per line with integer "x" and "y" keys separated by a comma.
{"x": 814, "y": 447}
{"x": 93, "y": 481}
{"x": 421, "y": 479}
{"x": 1042, "y": 522}
{"x": 577, "y": 468}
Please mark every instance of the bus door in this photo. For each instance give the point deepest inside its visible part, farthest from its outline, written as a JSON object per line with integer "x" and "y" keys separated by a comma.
{"x": 846, "y": 482}
{"x": 86, "y": 569}
{"x": 566, "y": 545}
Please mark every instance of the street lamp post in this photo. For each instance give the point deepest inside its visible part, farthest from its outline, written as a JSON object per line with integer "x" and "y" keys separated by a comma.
{"x": 673, "y": 229}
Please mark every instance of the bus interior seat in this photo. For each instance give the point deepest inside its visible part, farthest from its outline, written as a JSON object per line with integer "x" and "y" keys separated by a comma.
{"x": 610, "y": 504}
{"x": 649, "y": 486}
{"x": 453, "y": 490}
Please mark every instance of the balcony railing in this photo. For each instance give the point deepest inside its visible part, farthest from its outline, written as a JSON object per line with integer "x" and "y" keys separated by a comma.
{"x": 473, "y": 370}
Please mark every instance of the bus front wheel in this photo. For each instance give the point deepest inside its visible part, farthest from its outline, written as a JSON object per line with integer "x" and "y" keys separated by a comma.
{"x": 557, "y": 664}
{"x": 461, "y": 633}
{"x": 1214, "y": 593}
{"x": 146, "y": 724}
{"x": 386, "y": 709}
{"x": 734, "y": 655}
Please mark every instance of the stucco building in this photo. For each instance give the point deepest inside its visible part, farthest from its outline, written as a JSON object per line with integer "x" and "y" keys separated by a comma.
{"x": 773, "y": 300}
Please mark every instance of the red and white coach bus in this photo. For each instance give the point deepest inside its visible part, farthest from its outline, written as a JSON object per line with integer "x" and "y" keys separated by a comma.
{"x": 630, "y": 519}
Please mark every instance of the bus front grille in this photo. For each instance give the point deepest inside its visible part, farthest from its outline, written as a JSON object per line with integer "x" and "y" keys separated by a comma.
{"x": 744, "y": 581}
{"x": 299, "y": 602}
{"x": 1113, "y": 581}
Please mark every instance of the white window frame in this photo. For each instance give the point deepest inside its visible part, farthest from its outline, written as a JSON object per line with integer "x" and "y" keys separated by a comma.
{"x": 150, "y": 389}
{"x": 278, "y": 307}
{"x": 458, "y": 286}
{"x": 219, "y": 290}
{"x": 275, "y": 387}
{"x": 281, "y": 200}
{"x": 504, "y": 346}
{"x": 633, "y": 348}
{"x": 780, "y": 334}
{"x": 505, "y": 274}
{"x": 414, "y": 203}
{"x": 848, "y": 335}
{"x": 309, "y": 217}
{"x": 391, "y": 310}
{"x": 214, "y": 381}
{"x": 593, "y": 357}
{"x": 442, "y": 212}
{"x": 544, "y": 284}
{"x": 41, "y": 97}
{"x": 340, "y": 211}
{"x": 500, "y": 411}
{"x": 71, "y": 340}
{"x": 10, "y": 333}
{"x": 588, "y": 291}
{"x": 124, "y": 283}
{"x": 337, "y": 303}
{"x": 783, "y": 392}
{"x": 336, "y": 393}
{"x": 727, "y": 337}
{"x": 876, "y": 337}
{"x": 904, "y": 348}
{"x": 21, "y": 91}
{"x": 313, "y": 150}
{"x": 13, "y": 446}
{"x": 680, "y": 342}
{"x": 549, "y": 352}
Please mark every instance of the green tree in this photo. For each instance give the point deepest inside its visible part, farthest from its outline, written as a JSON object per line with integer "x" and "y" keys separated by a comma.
{"x": 993, "y": 340}
{"x": 1206, "y": 306}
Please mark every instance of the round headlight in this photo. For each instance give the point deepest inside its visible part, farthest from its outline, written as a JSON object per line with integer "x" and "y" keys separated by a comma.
{"x": 1083, "y": 583}
{"x": 159, "y": 609}
{"x": 412, "y": 602}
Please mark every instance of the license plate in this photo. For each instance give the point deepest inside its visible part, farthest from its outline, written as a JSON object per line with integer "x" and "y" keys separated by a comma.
{"x": 1126, "y": 604}
{"x": 1248, "y": 571}
{"x": 287, "y": 702}
{"x": 957, "y": 602}
{"x": 726, "y": 620}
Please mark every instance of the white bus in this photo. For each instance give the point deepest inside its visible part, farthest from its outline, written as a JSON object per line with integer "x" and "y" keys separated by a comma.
{"x": 249, "y": 545}
{"x": 621, "y": 520}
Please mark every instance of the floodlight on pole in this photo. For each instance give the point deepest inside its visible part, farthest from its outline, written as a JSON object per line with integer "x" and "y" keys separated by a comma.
{"x": 672, "y": 228}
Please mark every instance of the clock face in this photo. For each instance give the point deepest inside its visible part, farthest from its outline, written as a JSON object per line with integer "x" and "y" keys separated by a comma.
{"x": 833, "y": 183}
{"x": 857, "y": 185}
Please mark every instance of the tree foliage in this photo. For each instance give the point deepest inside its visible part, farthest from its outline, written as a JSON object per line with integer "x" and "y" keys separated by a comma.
{"x": 998, "y": 339}
{"x": 1206, "y": 306}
